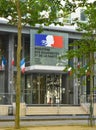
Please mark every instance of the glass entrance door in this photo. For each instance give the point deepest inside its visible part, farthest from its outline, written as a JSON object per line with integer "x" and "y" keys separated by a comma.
{"x": 38, "y": 91}
{"x": 42, "y": 89}
{"x": 53, "y": 87}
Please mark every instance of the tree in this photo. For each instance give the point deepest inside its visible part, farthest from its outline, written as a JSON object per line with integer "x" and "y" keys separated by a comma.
{"x": 32, "y": 12}
{"x": 84, "y": 50}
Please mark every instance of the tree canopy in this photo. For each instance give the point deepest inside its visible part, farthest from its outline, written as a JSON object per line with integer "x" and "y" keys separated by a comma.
{"x": 35, "y": 12}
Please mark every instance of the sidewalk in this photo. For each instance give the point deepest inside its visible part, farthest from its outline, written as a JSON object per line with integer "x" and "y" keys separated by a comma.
{"x": 55, "y": 128}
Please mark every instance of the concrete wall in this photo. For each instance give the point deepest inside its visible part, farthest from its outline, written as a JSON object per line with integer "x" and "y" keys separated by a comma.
{"x": 4, "y": 110}
{"x": 86, "y": 107}
{"x": 22, "y": 109}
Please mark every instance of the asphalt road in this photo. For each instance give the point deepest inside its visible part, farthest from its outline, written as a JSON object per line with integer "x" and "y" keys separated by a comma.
{"x": 8, "y": 121}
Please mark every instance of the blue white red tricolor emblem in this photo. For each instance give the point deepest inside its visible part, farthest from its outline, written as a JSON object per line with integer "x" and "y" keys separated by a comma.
{"x": 3, "y": 62}
{"x": 22, "y": 65}
{"x": 48, "y": 40}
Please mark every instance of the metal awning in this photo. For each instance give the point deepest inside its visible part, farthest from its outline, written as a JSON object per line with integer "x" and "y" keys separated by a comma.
{"x": 43, "y": 68}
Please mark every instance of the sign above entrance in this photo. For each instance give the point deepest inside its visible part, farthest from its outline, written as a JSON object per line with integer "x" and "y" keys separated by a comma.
{"x": 47, "y": 47}
{"x": 48, "y": 41}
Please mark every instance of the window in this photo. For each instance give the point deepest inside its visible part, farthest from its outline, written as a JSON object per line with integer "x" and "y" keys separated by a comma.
{"x": 82, "y": 15}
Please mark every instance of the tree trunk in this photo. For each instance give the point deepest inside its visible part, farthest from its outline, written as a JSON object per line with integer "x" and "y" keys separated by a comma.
{"x": 91, "y": 87}
{"x": 18, "y": 78}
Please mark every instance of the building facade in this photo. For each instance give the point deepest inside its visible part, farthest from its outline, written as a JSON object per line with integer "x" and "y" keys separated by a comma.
{"x": 44, "y": 82}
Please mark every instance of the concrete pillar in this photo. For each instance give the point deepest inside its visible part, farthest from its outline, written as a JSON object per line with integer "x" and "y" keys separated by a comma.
{"x": 10, "y": 67}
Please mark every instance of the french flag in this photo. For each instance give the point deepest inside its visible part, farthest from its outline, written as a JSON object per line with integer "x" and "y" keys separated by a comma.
{"x": 3, "y": 62}
{"x": 48, "y": 40}
{"x": 70, "y": 71}
{"x": 12, "y": 62}
{"x": 22, "y": 65}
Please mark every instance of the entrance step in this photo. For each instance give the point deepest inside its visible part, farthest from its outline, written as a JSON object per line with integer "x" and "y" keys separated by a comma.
{"x": 55, "y": 110}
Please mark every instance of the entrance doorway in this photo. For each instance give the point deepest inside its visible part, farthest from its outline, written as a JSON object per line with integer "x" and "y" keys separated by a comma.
{"x": 45, "y": 89}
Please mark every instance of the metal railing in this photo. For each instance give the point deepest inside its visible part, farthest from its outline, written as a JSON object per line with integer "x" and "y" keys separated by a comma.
{"x": 86, "y": 98}
{"x": 7, "y": 98}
